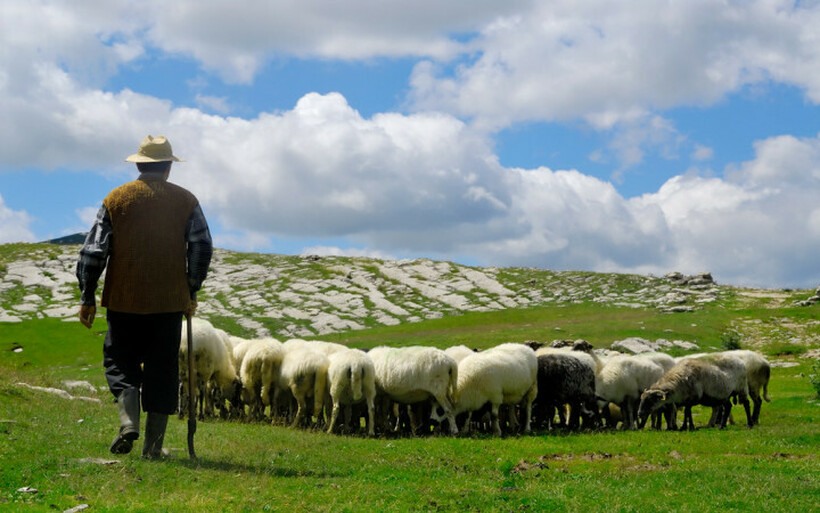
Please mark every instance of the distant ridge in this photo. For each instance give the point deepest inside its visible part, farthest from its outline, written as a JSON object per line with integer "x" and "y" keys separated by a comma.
{"x": 76, "y": 238}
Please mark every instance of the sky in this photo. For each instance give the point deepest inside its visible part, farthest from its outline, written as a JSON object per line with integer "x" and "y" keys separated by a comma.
{"x": 642, "y": 136}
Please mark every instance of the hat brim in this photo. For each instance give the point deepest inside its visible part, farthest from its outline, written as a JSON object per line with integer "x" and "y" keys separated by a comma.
{"x": 138, "y": 157}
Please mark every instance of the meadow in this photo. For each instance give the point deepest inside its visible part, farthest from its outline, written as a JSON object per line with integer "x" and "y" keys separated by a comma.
{"x": 58, "y": 446}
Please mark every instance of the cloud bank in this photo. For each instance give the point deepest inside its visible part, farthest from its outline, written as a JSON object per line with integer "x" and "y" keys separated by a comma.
{"x": 427, "y": 181}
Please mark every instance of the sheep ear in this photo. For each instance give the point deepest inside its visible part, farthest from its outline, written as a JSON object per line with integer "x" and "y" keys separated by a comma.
{"x": 663, "y": 396}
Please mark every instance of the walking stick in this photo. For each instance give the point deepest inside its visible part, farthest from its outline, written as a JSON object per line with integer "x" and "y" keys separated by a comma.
{"x": 191, "y": 384}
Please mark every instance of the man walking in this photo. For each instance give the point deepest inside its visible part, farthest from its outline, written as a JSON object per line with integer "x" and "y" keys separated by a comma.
{"x": 154, "y": 241}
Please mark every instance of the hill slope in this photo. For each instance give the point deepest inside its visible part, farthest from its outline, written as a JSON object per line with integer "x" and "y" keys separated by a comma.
{"x": 290, "y": 296}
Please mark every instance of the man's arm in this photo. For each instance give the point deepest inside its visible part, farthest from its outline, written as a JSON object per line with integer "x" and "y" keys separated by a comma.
{"x": 200, "y": 250}
{"x": 90, "y": 265}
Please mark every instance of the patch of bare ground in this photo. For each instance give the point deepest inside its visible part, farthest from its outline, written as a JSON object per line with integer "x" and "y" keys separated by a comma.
{"x": 757, "y": 333}
{"x": 764, "y": 297}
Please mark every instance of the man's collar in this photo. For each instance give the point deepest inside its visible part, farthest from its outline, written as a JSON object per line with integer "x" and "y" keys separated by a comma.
{"x": 150, "y": 176}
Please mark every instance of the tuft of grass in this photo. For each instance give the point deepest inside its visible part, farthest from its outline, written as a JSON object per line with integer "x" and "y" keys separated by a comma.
{"x": 730, "y": 340}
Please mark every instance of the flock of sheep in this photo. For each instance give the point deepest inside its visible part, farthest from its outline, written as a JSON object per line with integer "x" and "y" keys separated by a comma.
{"x": 508, "y": 388}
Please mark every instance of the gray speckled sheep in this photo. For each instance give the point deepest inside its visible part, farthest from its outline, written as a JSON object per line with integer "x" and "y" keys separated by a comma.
{"x": 689, "y": 382}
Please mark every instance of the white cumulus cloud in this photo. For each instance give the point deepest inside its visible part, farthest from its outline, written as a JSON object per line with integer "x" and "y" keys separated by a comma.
{"x": 14, "y": 224}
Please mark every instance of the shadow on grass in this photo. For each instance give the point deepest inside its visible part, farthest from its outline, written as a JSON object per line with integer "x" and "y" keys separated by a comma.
{"x": 270, "y": 470}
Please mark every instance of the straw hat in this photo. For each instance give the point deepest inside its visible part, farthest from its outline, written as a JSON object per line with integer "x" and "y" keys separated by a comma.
{"x": 154, "y": 149}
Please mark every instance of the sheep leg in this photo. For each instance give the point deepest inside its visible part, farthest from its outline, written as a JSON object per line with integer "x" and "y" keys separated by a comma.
{"x": 562, "y": 416}
{"x": 370, "y": 417}
{"x": 334, "y": 416}
{"x": 413, "y": 413}
{"x": 758, "y": 402}
{"x": 397, "y": 413}
{"x": 494, "y": 417}
{"x": 727, "y": 412}
{"x": 300, "y": 409}
{"x": 466, "y": 428}
{"x": 688, "y": 423}
{"x": 670, "y": 414}
{"x": 512, "y": 419}
{"x": 448, "y": 408}
{"x": 574, "y": 415}
{"x": 749, "y": 419}
{"x": 716, "y": 417}
{"x": 530, "y": 398}
{"x": 626, "y": 413}
{"x": 550, "y": 416}
{"x": 347, "y": 425}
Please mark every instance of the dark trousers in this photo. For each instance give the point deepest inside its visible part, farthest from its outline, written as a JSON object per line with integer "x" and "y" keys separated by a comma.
{"x": 142, "y": 351}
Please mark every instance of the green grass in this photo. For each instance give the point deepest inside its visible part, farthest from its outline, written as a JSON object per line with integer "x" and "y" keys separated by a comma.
{"x": 44, "y": 440}
{"x": 600, "y": 324}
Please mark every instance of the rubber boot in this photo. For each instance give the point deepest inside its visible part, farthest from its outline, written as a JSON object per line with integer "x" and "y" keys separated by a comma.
{"x": 155, "y": 425}
{"x": 128, "y": 404}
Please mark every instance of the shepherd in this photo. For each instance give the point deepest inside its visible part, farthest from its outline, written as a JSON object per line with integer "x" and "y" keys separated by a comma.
{"x": 152, "y": 239}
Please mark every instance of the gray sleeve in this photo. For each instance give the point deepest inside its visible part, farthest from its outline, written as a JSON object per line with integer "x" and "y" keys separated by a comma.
{"x": 200, "y": 250}
{"x": 94, "y": 256}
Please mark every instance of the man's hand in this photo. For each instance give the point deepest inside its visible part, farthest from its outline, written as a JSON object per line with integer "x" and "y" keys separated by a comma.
{"x": 191, "y": 310}
{"x": 87, "y": 314}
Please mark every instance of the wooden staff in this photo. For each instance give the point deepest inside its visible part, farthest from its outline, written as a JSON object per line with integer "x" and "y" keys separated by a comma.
{"x": 191, "y": 384}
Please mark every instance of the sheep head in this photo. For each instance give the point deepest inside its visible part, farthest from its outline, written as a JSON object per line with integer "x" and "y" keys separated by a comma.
{"x": 651, "y": 401}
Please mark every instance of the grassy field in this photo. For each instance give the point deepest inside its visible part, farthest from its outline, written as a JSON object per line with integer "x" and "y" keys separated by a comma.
{"x": 59, "y": 446}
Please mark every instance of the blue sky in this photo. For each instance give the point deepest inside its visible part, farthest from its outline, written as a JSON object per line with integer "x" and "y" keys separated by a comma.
{"x": 636, "y": 136}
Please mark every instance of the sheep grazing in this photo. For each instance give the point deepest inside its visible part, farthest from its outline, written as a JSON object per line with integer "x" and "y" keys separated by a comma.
{"x": 409, "y": 375}
{"x": 563, "y": 380}
{"x": 504, "y": 374}
{"x": 304, "y": 375}
{"x": 259, "y": 373}
{"x": 351, "y": 379}
{"x": 213, "y": 364}
{"x": 690, "y": 382}
{"x": 736, "y": 369}
{"x": 622, "y": 380}
{"x": 758, "y": 372}
{"x": 666, "y": 362}
{"x": 579, "y": 349}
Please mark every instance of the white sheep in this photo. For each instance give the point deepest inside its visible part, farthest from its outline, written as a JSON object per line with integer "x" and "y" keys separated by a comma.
{"x": 303, "y": 375}
{"x": 326, "y": 348}
{"x": 758, "y": 372}
{"x": 215, "y": 375}
{"x": 691, "y": 381}
{"x": 622, "y": 380}
{"x": 409, "y": 375}
{"x": 259, "y": 373}
{"x": 504, "y": 374}
{"x": 459, "y": 352}
{"x": 351, "y": 379}
{"x": 662, "y": 359}
{"x": 735, "y": 367}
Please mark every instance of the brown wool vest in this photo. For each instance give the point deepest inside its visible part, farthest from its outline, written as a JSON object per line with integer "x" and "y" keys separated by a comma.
{"x": 146, "y": 271}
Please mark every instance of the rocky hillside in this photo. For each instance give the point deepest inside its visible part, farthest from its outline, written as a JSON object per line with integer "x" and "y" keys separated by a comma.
{"x": 288, "y": 296}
